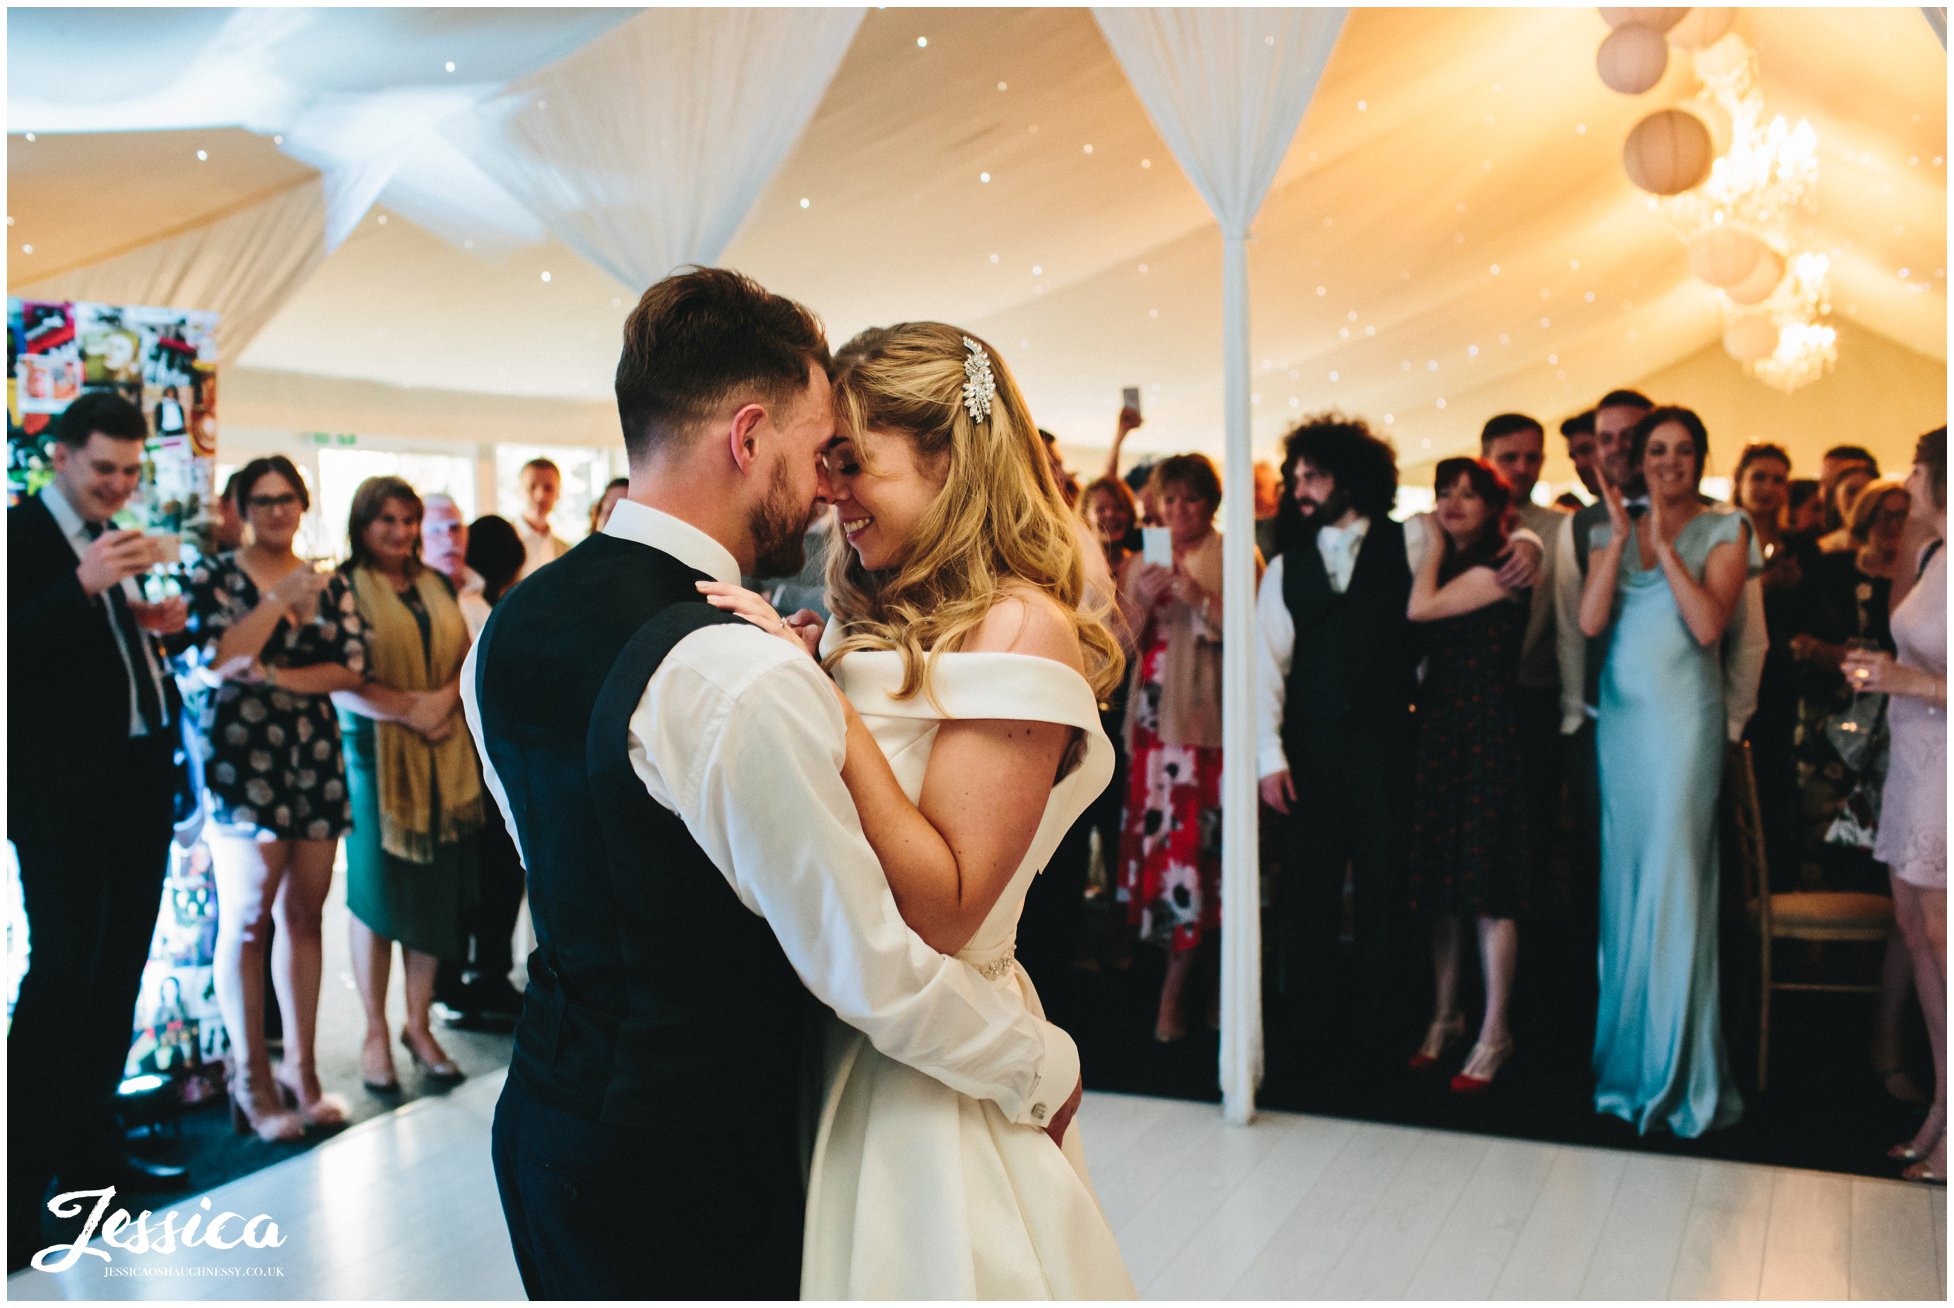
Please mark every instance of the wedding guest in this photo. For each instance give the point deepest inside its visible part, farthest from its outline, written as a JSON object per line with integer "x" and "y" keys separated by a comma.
{"x": 1845, "y": 601}
{"x": 496, "y": 555}
{"x": 1759, "y": 487}
{"x": 1516, "y": 446}
{"x": 1661, "y": 589}
{"x": 1472, "y": 835}
{"x": 1839, "y": 501}
{"x": 1128, "y": 422}
{"x": 1582, "y": 450}
{"x": 1834, "y": 464}
{"x": 1113, "y": 514}
{"x": 1913, "y": 811}
{"x": 91, "y": 737}
{"x": 444, "y": 547}
{"x": 1170, "y": 845}
{"x": 416, "y": 791}
{"x": 1336, "y": 676}
{"x": 600, "y": 512}
{"x": 477, "y": 992}
{"x": 1804, "y": 508}
{"x": 1268, "y": 499}
{"x": 280, "y": 638}
{"x": 541, "y": 482}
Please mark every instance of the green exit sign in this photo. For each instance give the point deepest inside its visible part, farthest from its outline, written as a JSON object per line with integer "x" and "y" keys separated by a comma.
{"x": 332, "y": 438}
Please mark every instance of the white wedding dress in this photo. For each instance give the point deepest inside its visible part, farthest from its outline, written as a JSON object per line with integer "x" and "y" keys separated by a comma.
{"x": 916, "y": 1191}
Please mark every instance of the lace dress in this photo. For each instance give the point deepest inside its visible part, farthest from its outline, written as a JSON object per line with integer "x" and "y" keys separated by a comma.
{"x": 1913, "y": 811}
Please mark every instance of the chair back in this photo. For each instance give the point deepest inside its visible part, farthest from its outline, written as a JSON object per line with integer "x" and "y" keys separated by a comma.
{"x": 1747, "y": 824}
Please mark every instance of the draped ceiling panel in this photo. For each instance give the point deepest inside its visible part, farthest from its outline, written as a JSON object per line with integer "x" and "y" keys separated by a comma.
{"x": 1484, "y": 138}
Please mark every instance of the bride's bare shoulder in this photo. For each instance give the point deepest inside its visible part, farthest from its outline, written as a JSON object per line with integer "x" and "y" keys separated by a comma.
{"x": 1027, "y": 621}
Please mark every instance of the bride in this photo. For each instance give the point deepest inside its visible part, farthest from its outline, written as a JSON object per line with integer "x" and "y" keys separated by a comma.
{"x": 970, "y": 679}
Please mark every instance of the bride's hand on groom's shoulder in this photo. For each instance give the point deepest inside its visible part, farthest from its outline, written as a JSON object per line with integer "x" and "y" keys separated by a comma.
{"x": 1067, "y": 1111}
{"x": 803, "y": 630}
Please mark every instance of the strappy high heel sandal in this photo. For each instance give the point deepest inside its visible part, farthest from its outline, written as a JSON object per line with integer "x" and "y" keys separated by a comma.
{"x": 1439, "y": 1037}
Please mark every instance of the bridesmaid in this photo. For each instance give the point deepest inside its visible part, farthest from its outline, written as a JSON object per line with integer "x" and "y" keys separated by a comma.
{"x": 1663, "y": 587}
{"x": 1912, "y": 838}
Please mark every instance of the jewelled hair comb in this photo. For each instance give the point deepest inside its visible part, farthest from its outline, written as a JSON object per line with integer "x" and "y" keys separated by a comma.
{"x": 979, "y": 386}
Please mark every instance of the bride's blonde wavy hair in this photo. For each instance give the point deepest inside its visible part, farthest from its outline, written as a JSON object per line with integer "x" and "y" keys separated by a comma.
{"x": 999, "y": 518}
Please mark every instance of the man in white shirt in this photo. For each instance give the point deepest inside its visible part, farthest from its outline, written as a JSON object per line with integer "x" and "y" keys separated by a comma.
{"x": 672, "y": 777}
{"x": 444, "y": 547}
{"x": 541, "y": 482}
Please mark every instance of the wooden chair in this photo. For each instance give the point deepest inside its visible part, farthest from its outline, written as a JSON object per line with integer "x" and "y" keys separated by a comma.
{"x": 1830, "y": 916}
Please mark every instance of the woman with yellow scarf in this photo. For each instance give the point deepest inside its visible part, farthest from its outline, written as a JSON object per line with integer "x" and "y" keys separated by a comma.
{"x": 410, "y": 770}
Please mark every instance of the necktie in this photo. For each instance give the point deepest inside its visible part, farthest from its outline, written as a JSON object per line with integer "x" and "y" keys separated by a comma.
{"x": 135, "y": 647}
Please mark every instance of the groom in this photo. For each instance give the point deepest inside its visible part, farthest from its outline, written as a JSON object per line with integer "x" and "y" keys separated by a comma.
{"x": 672, "y": 776}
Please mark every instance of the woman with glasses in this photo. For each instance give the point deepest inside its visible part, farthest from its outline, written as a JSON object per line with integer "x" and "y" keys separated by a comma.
{"x": 277, "y": 638}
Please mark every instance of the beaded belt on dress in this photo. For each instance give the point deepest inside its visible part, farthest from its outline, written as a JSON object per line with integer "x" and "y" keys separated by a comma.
{"x": 997, "y": 967}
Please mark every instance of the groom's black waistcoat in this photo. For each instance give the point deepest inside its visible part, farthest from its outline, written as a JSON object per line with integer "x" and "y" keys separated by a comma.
{"x": 656, "y": 999}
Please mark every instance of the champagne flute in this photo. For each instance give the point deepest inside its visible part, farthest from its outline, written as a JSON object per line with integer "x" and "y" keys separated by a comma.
{"x": 1857, "y": 645}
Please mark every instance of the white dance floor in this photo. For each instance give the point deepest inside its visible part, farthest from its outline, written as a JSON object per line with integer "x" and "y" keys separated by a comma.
{"x": 404, "y": 1207}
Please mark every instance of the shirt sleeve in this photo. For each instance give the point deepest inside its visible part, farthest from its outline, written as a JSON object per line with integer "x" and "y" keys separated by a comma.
{"x": 752, "y": 764}
{"x": 1570, "y": 645}
{"x": 344, "y": 627}
{"x": 472, "y": 714}
{"x": 1275, "y": 645}
{"x": 1746, "y": 642}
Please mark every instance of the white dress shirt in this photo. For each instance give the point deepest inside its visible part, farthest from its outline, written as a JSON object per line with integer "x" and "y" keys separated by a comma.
{"x": 75, "y": 528}
{"x": 1746, "y": 642}
{"x": 538, "y": 547}
{"x": 1275, "y": 643}
{"x": 743, "y": 737}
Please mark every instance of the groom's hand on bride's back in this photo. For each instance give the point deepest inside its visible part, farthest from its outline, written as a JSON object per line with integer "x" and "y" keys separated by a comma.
{"x": 1067, "y": 1111}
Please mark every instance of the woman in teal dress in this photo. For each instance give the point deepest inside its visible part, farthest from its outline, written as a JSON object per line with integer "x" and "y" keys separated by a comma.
{"x": 1663, "y": 585}
{"x": 410, "y": 772}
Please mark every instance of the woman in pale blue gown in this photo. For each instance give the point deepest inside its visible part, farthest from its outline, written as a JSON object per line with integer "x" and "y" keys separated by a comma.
{"x": 1663, "y": 585}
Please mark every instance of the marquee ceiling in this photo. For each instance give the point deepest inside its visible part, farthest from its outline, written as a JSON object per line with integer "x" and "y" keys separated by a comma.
{"x": 1450, "y": 234}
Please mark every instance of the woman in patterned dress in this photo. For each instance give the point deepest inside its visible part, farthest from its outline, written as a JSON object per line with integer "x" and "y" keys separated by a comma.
{"x": 1469, "y": 838}
{"x": 1170, "y": 845}
{"x": 278, "y": 638}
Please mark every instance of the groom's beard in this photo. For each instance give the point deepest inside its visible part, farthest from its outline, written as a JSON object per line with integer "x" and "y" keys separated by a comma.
{"x": 779, "y": 527}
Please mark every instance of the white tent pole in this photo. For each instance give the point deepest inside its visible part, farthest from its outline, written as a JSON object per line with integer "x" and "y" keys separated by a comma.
{"x": 1241, "y": 898}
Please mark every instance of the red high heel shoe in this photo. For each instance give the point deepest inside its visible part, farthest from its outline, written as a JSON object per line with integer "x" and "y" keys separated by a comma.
{"x": 1476, "y": 1077}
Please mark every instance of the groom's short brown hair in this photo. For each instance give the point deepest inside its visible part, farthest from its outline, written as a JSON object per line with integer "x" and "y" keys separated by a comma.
{"x": 702, "y": 339}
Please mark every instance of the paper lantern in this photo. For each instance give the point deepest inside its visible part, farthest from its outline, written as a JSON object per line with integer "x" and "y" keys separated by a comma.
{"x": 1701, "y": 26}
{"x": 1660, "y": 20}
{"x": 1763, "y": 279}
{"x": 1725, "y": 256}
{"x": 1632, "y": 58}
{"x": 1750, "y": 339}
{"x": 1668, "y": 152}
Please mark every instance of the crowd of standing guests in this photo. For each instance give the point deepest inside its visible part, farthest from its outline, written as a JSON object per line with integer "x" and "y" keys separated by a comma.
{"x": 1441, "y": 700}
{"x": 281, "y": 706}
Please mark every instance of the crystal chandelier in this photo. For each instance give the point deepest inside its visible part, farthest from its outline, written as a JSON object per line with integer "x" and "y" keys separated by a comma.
{"x": 1761, "y": 182}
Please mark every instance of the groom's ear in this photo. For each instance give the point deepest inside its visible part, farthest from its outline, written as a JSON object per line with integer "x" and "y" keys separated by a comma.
{"x": 741, "y": 435}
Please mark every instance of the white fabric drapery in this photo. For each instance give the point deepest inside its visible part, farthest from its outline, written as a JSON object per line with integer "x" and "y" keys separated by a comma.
{"x": 664, "y": 176}
{"x": 1226, "y": 89}
{"x": 243, "y": 267}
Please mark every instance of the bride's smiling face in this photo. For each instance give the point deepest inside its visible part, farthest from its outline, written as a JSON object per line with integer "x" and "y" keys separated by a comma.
{"x": 880, "y": 491}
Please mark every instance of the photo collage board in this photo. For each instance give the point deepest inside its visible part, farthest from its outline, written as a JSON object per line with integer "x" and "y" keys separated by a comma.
{"x": 163, "y": 360}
